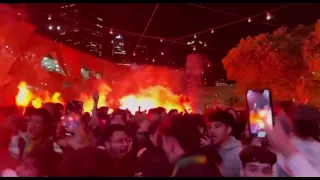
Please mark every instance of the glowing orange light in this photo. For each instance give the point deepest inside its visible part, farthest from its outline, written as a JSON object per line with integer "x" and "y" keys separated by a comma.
{"x": 145, "y": 99}
{"x": 24, "y": 96}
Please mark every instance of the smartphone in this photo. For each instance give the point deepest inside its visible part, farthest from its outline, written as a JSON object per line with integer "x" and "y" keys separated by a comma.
{"x": 259, "y": 104}
{"x": 74, "y": 106}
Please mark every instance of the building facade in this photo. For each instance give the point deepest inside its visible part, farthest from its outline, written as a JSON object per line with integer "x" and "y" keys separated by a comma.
{"x": 81, "y": 29}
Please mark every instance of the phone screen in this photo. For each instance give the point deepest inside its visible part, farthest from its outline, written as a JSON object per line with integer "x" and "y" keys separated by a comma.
{"x": 260, "y": 111}
{"x": 74, "y": 107}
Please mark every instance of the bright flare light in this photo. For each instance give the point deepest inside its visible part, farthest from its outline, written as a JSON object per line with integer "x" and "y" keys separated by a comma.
{"x": 146, "y": 98}
{"x": 268, "y": 17}
{"x": 26, "y": 98}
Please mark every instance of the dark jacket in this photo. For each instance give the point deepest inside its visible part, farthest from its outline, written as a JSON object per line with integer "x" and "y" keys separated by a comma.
{"x": 154, "y": 163}
{"x": 128, "y": 166}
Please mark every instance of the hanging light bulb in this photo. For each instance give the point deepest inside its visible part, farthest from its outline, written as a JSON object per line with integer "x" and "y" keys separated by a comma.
{"x": 162, "y": 53}
{"x": 205, "y": 45}
{"x": 195, "y": 36}
{"x": 212, "y": 31}
{"x": 111, "y": 32}
{"x": 134, "y": 54}
{"x": 50, "y": 27}
{"x": 153, "y": 60}
{"x": 161, "y": 40}
{"x": 49, "y": 17}
{"x": 249, "y": 20}
{"x": 268, "y": 17}
{"x": 194, "y": 48}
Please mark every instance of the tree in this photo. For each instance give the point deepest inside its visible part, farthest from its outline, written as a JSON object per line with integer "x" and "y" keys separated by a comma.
{"x": 271, "y": 61}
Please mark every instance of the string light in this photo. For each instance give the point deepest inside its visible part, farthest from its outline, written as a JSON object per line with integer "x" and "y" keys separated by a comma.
{"x": 153, "y": 60}
{"x": 18, "y": 13}
{"x": 134, "y": 54}
{"x": 58, "y": 28}
{"x": 194, "y": 48}
{"x": 195, "y": 36}
{"x": 205, "y": 45}
{"x": 268, "y": 17}
{"x": 162, "y": 53}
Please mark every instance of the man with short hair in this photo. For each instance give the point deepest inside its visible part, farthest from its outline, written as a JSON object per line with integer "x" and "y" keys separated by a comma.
{"x": 220, "y": 130}
{"x": 39, "y": 129}
{"x": 118, "y": 141}
{"x": 180, "y": 140}
{"x": 257, "y": 162}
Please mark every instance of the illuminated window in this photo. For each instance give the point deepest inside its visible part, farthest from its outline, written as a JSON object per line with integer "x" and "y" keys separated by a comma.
{"x": 51, "y": 65}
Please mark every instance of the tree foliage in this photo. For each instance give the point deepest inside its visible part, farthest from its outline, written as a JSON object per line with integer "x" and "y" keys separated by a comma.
{"x": 280, "y": 61}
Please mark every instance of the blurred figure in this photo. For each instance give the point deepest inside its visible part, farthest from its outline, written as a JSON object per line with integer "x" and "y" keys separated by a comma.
{"x": 292, "y": 160}
{"x": 119, "y": 142}
{"x": 39, "y": 129}
{"x": 118, "y": 117}
{"x": 246, "y": 137}
{"x": 140, "y": 125}
{"x": 154, "y": 114}
{"x": 18, "y": 143}
{"x": 163, "y": 113}
{"x": 152, "y": 160}
{"x": 180, "y": 141}
{"x": 305, "y": 136}
{"x": 40, "y": 162}
{"x": 6, "y": 160}
{"x": 98, "y": 163}
{"x": 221, "y": 123}
{"x": 199, "y": 123}
{"x": 257, "y": 162}
{"x": 55, "y": 110}
{"x": 173, "y": 112}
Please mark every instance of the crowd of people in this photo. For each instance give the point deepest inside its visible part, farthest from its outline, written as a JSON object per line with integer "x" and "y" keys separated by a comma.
{"x": 159, "y": 143}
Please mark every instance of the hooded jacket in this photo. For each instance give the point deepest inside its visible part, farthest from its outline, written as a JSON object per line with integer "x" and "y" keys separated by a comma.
{"x": 231, "y": 163}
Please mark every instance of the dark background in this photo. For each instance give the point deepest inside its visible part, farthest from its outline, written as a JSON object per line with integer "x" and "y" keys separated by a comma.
{"x": 176, "y": 20}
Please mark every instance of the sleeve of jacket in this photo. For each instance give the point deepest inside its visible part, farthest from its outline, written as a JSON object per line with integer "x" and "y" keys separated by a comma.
{"x": 300, "y": 167}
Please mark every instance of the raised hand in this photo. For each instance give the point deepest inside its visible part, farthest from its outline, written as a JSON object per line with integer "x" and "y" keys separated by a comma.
{"x": 95, "y": 96}
{"x": 205, "y": 141}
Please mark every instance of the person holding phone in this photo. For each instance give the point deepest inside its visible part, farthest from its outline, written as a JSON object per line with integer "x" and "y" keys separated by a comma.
{"x": 220, "y": 130}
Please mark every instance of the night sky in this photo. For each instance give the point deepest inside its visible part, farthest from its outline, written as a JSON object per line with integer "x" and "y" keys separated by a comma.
{"x": 177, "y": 20}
